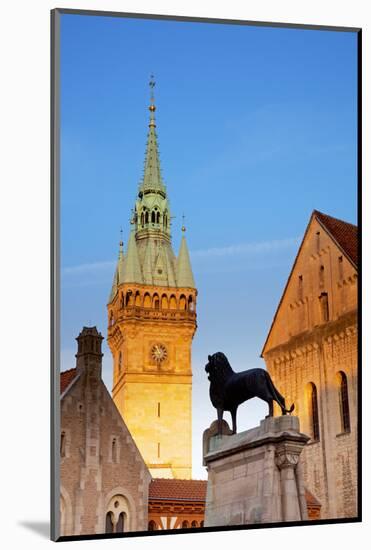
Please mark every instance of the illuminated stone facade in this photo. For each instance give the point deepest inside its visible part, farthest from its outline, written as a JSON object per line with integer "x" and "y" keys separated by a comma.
{"x": 311, "y": 353}
{"x": 151, "y": 323}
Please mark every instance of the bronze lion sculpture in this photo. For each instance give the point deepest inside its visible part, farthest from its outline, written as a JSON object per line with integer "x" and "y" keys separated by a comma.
{"x": 228, "y": 389}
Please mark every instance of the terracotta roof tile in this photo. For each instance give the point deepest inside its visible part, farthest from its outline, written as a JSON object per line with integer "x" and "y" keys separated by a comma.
{"x": 66, "y": 378}
{"x": 311, "y": 499}
{"x": 178, "y": 489}
{"x": 344, "y": 233}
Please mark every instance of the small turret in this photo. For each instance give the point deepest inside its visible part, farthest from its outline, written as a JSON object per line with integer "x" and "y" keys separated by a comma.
{"x": 183, "y": 265}
{"x": 89, "y": 351}
{"x": 119, "y": 271}
{"x": 132, "y": 272}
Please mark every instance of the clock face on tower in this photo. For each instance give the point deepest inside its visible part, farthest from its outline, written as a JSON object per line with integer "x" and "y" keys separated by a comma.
{"x": 158, "y": 353}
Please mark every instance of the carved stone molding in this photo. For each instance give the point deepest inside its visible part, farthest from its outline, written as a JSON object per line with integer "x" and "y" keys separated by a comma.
{"x": 287, "y": 455}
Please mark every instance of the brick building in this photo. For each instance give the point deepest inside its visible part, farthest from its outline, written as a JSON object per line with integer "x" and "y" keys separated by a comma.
{"x": 103, "y": 478}
{"x": 311, "y": 353}
{"x": 105, "y": 486}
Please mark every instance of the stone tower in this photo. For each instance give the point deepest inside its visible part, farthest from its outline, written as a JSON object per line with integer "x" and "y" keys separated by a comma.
{"x": 151, "y": 323}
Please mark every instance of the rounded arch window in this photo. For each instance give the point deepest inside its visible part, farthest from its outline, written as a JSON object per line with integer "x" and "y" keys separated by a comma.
{"x": 147, "y": 300}
{"x": 164, "y": 302}
{"x": 312, "y": 403}
{"x": 185, "y": 524}
{"x": 194, "y": 524}
{"x": 182, "y": 302}
{"x": 343, "y": 401}
{"x": 152, "y": 526}
{"x": 137, "y": 299}
{"x": 156, "y": 301}
{"x": 172, "y": 302}
{"x": 129, "y": 298}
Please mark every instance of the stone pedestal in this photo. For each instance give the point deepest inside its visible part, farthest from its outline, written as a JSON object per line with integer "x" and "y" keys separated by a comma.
{"x": 255, "y": 476}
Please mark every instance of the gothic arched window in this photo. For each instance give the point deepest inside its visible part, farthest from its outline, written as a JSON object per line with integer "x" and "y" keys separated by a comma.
{"x": 142, "y": 219}
{"x": 153, "y": 217}
{"x": 118, "y": 515}
{"x": 147, "y": 217}
{"x": 343, "y": 401}
{"x": 120, "y": 362}
{"x": 158, "y": 217}
{"x": 312, "y": 401}
{"x": 120, "y": 526}
{"x": 109, "y": 522}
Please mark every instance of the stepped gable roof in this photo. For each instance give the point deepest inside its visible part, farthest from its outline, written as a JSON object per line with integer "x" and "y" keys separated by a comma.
{"x": 344, "y": 233}
{"x": 178, "y": 489}
{"x": 66, "y": 378}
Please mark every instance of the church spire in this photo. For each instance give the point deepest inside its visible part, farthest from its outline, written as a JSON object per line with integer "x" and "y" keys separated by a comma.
{"x": 152, "y": 178}
{"x": 152, "y": 212}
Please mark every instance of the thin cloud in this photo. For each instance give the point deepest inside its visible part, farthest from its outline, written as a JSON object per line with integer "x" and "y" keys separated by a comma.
{"x": 87, "y": 268}
{"x": 246, "y": 248}
{"x": 231, "y": 250}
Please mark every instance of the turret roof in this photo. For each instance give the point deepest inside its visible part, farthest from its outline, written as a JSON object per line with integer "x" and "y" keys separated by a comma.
{"x": 132, "y": 271}
{"x": 183, "y": 267}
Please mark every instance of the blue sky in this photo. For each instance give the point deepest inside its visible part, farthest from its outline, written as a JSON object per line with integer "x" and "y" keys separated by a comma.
{"x": 256, "y": 126}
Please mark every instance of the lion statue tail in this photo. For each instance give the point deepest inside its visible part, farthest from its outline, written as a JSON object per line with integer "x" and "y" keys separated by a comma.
{"x": 279, "y": 398}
